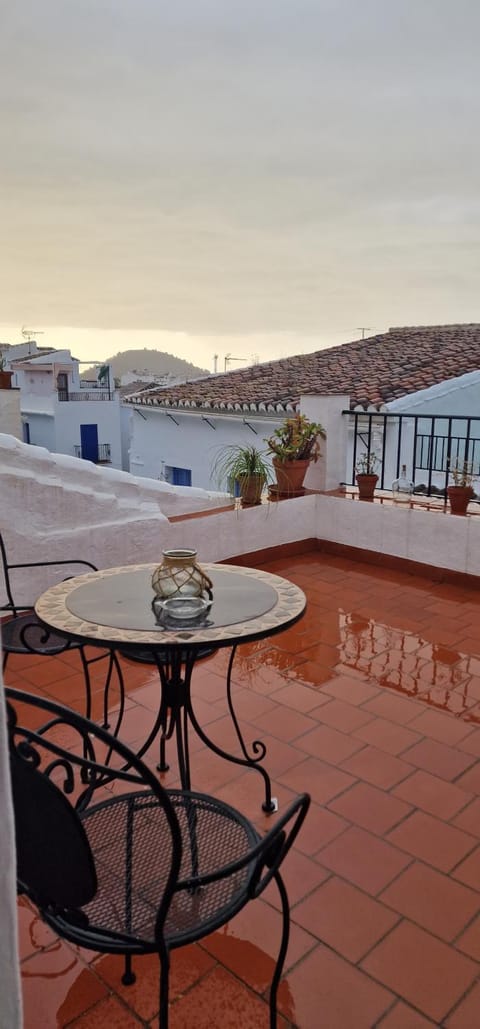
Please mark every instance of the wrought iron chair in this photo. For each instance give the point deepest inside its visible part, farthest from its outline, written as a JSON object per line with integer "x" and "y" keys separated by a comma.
{"x": 22, "y": 633}
{"x": 116, "y": 863}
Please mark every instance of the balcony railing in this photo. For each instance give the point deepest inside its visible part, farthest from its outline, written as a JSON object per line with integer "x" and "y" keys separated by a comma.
{"x": 104, "y": 453}
{"x": 428, "y": 445}
{"x": 85, "y": 394}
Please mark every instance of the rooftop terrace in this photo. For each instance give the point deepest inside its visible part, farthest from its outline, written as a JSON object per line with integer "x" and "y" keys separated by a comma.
{"x": 371, "y": 703}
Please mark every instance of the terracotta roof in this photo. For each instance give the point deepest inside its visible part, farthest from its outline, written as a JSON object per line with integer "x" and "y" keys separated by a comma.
{"x": 373, "y": 371}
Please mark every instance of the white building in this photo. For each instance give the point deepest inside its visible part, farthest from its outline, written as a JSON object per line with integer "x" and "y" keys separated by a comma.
{"x": 64, "y": 413}
{"x": 431, "y": 370}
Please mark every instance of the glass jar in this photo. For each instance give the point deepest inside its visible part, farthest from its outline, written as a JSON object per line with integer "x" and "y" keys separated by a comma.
{"x": 180, "y": 575}
{"x": 402, "y": 489}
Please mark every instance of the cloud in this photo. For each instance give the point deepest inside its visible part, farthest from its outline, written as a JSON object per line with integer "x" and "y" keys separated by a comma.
{"x": 209, "y": 168}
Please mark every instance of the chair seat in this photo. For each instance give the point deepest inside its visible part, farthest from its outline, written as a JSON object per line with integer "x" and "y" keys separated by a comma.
{"x": 213, "y": 835}
{"x": 24, "y": 633}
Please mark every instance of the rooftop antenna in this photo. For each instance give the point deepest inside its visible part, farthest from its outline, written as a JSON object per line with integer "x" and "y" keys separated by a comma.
{"x": 30, "y": 334}
{"x": 228, "y": 359}
{"x": 363, "y": 329}
{"x": 215, "y": 363}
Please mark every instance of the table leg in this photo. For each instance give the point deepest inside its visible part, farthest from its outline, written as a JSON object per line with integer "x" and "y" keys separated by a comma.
{"x": 259, "y": 749}
{"x": 176, "y": 712}
{"x": 173, "y": 715}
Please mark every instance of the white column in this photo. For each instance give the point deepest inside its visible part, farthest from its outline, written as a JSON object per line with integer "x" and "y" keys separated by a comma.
{"x": 330, "y": 469}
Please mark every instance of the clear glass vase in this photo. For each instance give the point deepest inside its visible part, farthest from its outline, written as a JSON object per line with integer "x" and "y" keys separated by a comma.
{"x": 402, "y": 489}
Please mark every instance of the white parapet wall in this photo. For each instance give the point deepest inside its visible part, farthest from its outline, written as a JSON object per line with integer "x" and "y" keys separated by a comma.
{"x": 58, "y": 508}
{"x": 433, "y": 538}
{"x": 53, "y": 506}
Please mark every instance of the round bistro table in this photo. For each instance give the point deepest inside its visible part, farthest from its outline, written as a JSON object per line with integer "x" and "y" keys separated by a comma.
{"x": 114, "y": 607}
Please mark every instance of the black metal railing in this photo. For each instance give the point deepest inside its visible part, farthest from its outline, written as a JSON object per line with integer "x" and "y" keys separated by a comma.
{"x": 430, "y": 446}
{"x": 84, "y": 394}
{"x": 104, "y": 453}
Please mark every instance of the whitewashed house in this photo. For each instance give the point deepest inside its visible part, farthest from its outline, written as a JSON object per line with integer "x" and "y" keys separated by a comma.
{"x": 64, "y": 413}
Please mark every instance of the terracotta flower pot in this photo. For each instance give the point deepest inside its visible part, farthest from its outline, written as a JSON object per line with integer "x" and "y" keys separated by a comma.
{"x": 459, "y": 497}
{"x": 251, "y": 487}
{"x": 290, "y": 475}
{"x": 366, "y": 485}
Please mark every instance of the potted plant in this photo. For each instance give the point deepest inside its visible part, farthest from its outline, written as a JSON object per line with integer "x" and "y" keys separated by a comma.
{"x": 294, "y": 445}
{"x": 460, "y": 492}
{"x": 245, "y": 466}
{"x": 366, "y": 475}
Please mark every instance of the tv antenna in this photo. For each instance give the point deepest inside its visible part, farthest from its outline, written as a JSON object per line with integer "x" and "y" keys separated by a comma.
{"x": 228, "y": 359}
{"x": 363, "y": 329}
{"x": 30, "y": 334}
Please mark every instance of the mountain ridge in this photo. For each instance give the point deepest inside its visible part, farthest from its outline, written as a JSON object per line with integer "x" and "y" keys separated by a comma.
{"x": 145, "y": 362}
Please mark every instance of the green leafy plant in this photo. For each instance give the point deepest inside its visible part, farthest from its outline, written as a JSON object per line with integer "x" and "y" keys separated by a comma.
{"x": 236, "y": 463}
{"x": 297, "y": 439}
{"x": 368, "y": 463}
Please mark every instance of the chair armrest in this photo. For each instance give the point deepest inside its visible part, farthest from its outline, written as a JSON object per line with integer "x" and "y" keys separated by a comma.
{"x": 47, "y": 564}
{"x": 268, "y": 853}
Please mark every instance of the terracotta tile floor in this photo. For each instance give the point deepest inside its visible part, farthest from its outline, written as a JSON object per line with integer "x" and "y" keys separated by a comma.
{"x": 372, "y": 704}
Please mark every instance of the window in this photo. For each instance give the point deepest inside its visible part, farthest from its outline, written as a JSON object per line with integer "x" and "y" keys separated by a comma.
{"x": 178, "y": 476}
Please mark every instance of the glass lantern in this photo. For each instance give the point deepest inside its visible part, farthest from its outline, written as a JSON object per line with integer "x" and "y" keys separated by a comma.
{"x": 402, "y": 489}
{"x": 179, "y": 575}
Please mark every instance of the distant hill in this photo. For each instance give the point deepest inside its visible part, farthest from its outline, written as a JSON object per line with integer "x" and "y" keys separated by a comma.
{"x": 155, "y": 362}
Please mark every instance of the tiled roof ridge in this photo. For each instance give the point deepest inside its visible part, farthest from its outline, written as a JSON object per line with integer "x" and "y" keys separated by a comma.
{"x": 372, "y": 371}
{"x": 434, "y": 328}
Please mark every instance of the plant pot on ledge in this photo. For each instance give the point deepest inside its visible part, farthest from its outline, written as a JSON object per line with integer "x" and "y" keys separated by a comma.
{"x": 244, "y": 470}
{"x": 366, "y": 485}
{"x": 290, "y": 475}
{"x": 459, "y": 497}
{"x": 251, "y": 488}
{"x": 293, "y": 446}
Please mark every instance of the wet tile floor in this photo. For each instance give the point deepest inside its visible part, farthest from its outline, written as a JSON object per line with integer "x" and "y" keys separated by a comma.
{"x": 372, "y": 704}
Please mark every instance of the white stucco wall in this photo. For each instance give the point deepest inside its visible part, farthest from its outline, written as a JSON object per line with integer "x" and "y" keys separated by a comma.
{"x": 56, "y": 506}
{"x": 55, "y": 424}
{"x": 10, "y": 416}
{"x": 41, "y": 429}
{"x": 158, "y": 442}
{"x": 70, "y": 415}
{"x": 428, "y": 537}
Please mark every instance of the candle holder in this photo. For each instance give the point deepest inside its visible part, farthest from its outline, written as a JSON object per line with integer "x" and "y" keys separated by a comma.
{"x": 179, "y": 575}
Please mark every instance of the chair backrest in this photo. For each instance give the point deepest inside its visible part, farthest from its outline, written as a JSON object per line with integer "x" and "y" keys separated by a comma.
{"x": 60, "y": 771}
{"x": 10, "y": 605}
{"x": 8, "y": 566}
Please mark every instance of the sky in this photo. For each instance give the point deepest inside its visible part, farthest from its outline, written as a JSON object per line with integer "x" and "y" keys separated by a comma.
{"x": 251, "y": 179}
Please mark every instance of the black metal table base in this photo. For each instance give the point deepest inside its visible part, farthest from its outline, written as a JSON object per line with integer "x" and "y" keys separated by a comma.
{"x": 176, "y": 713}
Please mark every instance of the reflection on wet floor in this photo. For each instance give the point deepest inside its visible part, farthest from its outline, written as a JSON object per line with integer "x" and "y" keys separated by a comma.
{"x": 409, "y": 664}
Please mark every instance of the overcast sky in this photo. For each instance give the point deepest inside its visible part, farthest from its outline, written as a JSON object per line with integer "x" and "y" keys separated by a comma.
{"x": 260, "y": 177}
